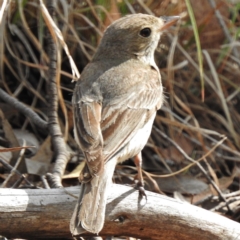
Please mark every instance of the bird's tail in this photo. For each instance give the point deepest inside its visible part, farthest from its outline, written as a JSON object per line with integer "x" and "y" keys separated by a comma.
{"x": 89, "y": 213}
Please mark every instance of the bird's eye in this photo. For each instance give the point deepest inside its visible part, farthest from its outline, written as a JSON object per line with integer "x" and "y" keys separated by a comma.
{"x": 145, "y": 32}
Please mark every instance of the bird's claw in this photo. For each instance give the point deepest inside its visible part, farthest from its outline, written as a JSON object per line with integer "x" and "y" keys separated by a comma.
{"x": 140, "y": 186}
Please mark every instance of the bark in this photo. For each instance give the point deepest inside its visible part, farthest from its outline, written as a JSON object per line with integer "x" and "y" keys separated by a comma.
{"x": 45, "y": 213}
{"x": 59, "y": 145}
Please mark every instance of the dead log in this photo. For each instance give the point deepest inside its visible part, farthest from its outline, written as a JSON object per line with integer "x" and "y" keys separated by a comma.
{"x": 45, "y": 214}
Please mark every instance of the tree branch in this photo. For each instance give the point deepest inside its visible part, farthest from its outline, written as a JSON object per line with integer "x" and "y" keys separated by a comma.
{"x": 59, "y": 145}
{"x": 27, "y": 111}
{"x": 46, "y": 214}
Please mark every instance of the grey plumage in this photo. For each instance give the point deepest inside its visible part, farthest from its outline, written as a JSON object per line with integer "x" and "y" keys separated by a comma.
{"x": 114, "y": 104}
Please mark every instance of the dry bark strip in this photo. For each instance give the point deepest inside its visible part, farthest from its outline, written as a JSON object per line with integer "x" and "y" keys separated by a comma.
{"x": 39, "y": 214}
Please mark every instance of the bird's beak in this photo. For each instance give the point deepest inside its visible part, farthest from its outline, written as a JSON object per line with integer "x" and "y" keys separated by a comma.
{"x": 168, "y": 22}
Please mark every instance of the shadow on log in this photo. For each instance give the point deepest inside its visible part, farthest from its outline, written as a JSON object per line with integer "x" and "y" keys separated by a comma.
{"x": 45, "y": 214}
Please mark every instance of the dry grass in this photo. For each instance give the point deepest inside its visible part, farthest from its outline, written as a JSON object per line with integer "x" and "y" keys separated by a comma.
{"x": 189, "y": 131}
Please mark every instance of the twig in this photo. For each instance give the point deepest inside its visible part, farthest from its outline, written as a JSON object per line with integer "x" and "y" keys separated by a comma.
{"x": 191, "y": 164}
{"x": 220, "y": 94}
{"x": 170, "y": 71}
{"x": 204, "y": 133}
{"x": 3, "y": 9}
{"x": 146, "y": 9}
{"x": 20, "y": 158}
{"x": 193, "y": 161}
{"x": 225, "y": 204}
{"x": 224, "y": 27}
{"x": 18, "y": 182}
{"x": 131, "y": 9}
{"x": 232, "y": 194}
{"x": 25, "y": 110}
{"x": 204, "y": 199}
{"x": 9, "y": 167}
{"x": 45, "y": 182}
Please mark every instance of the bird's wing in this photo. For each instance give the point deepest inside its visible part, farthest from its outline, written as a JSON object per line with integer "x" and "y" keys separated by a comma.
{"x": 103, "y": 129}
{"x": 87, "y": 131}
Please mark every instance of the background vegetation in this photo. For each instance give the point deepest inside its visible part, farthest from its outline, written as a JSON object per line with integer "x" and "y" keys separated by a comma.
{"x": 193, "y": 152}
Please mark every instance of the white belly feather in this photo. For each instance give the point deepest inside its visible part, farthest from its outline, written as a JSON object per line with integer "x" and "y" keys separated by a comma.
{"x": 137, "y": 143}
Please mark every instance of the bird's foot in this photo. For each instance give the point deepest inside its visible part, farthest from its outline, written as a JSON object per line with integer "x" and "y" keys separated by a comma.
{"x": 140, "y": 187}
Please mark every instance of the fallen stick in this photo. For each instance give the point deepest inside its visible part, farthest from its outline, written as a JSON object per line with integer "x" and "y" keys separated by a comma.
{"x": 45, "y": 213}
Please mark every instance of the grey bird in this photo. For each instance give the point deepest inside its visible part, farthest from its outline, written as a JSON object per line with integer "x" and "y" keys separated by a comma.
{"x": 114, "y": 105}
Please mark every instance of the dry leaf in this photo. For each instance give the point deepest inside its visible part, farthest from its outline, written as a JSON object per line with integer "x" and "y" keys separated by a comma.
{"x": 182, "y": 184}
{"x": 39, "y": 164}
{"x": 44, "y": 153}
{"x": 171, "y": 153}
{"x": 10, "y": 136}
{"x": 76, "y": 172}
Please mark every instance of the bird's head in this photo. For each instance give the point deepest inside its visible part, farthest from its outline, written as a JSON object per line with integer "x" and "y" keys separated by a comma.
{"x": 136, "y": 34}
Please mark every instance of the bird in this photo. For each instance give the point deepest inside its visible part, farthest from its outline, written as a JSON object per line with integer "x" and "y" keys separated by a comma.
{"x": 114, "y": 106}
